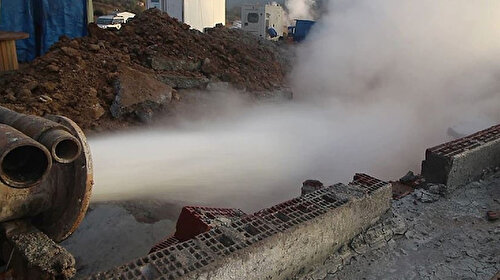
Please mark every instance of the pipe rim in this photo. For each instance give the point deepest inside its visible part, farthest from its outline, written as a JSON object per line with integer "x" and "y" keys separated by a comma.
{"x": 66, "y": 149}
{"x": 11, "y": 180}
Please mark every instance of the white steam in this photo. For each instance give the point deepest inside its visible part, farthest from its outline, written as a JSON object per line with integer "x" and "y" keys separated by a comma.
{"x": 300, "y": 9}
{"x": 376, "y": 83}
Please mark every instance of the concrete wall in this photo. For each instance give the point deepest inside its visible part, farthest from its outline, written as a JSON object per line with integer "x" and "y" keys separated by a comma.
{"x": 463, "y": 160}
{"x": 275, "y": 243}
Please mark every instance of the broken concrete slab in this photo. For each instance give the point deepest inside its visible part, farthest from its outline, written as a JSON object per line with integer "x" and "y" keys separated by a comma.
{"x": 138, "y": 93}
{"x": 33, "y": 255}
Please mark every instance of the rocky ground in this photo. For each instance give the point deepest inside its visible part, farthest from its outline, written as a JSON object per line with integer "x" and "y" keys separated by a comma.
{"x": 442, "y": 238}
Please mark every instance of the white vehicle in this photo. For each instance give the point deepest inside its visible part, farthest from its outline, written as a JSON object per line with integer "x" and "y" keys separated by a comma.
{"x": 115, "y": 20}
{"x": 258, "y": 19}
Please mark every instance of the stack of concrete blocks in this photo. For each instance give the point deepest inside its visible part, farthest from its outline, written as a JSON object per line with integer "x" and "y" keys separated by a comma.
{"x": 279, "y": 242}
{"x": 464, "y": 160}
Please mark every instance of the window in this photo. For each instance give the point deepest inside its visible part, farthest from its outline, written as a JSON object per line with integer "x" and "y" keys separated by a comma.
{"x": 104, "y": 21}
{"x": 253, "y": 17}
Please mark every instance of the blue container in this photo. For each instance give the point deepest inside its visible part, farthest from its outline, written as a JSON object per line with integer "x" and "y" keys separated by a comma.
{"x": 302, "y": 28}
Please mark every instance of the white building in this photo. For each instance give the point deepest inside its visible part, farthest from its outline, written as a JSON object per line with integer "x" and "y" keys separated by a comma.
{"x": 197, "y": 13}
{"x": 257, "y": 19}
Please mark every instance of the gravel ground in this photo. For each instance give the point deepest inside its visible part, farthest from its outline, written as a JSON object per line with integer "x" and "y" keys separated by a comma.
{"x": 450, "y": 238}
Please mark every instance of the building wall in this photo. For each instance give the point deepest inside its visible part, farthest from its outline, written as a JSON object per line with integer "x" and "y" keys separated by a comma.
{"x": 204, "y": 13}
{"x": 197, "y": 13}
{"x": 276, "y": 17}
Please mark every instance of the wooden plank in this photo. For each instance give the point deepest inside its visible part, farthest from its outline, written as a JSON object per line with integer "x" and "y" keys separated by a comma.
{"x": 8, "y": 36}
{"x": 3, "y": 56}
{"x": 8, "y": 56}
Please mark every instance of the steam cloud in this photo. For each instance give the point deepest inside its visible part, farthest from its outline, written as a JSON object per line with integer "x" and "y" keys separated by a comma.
{"x": 300, "y": 9}
{"x": 375, "y": 83}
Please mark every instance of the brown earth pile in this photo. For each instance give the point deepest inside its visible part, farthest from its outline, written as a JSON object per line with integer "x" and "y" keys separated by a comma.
{"x": 81, "y": 78}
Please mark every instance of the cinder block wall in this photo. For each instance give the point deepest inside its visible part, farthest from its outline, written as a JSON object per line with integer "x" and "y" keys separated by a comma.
{"x": 463, "y": 160}
{"x": 274, "y": 243}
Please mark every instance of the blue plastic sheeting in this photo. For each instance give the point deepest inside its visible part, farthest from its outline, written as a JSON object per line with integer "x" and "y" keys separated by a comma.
{"x": 45, "y": 21}
{"x": 17, "y": 15}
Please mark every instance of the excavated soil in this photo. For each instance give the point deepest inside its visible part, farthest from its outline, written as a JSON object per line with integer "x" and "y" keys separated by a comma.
{"x": 80, "y": 78}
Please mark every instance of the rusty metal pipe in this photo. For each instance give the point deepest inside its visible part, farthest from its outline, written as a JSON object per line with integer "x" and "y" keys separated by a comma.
{"x": 23, "y": 161}
{"x": 63, "y": 146}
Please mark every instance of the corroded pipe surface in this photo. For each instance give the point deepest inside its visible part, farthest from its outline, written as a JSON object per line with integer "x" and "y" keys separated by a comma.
{"x": 42, "y": 200}
{"x": 63, "y": 146}
{"x": 23, "y": 161}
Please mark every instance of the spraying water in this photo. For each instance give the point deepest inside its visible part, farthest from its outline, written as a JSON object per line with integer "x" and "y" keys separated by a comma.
{"x": 375, "y": 83}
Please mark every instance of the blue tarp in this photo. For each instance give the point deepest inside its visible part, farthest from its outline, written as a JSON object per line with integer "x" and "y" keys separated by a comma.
{"x": 45, "y": 21}
{"x": 17, "y": 15}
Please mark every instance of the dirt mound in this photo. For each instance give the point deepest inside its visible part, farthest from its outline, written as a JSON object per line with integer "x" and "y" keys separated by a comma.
{"x": 75, "y": 79}
{"x": 157, "y": 41}
{"x": 79, "y": 78}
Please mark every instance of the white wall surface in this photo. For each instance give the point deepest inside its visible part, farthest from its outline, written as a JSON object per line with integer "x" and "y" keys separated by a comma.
{"x": 204, "y": 13}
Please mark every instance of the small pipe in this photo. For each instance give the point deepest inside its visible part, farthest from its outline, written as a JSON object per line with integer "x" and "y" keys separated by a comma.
{"x": 63, "y": 146}
{"x": 23, "y": 161}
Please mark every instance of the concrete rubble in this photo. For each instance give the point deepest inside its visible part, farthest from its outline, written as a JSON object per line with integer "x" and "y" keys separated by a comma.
{"x": 27, "y": 245}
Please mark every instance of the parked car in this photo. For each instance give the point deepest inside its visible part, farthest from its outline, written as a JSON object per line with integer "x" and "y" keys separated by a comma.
{"x": 115, "y": 20}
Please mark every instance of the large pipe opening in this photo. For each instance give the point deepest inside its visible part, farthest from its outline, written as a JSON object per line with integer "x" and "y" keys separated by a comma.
{"x": 24, "y": 166}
